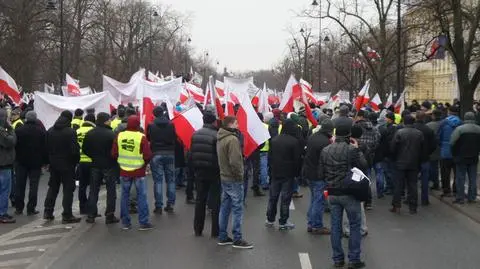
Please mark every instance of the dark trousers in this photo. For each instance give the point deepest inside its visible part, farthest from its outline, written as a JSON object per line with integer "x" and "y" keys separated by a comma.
{"x": 64, "y": 177}
{"x": 83, "y": 177}
{"x": 280, "y": 187}
{"x": 252, "y": 170}
{"x": 190, "y": 180}
{"x": 446, "y": 168}
{"x": 434, "y": 174}
{"x": 33, "y": 176}
{"x": 208, "y": 189}
{"x": 97, "y": 177}
{"x": 409, "y": 179}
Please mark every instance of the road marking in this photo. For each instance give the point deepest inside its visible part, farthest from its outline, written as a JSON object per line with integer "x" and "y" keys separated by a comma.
{"x": 292, "y": 206}
{"x": 24, "y": 249}
{"x": 32, "y": 238}
{"x": 16, "y": 262}
{"x": 305, "y": 261}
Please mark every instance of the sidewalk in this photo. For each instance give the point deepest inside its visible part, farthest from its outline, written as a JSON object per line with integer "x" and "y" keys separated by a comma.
{"x": 470, "y": 210}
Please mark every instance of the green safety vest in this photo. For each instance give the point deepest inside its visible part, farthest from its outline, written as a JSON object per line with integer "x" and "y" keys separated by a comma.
{"x": 16, "y": 123}
{"x": 129, "y": 146}
{"x": 114, "y": 124}
{"x": 81, "y": 133}
{"x": 266, "y": 145}
{"x": 78, "y": 122}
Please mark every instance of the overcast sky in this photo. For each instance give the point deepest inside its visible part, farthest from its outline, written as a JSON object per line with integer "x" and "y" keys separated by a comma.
{"x": 242, "y": 34}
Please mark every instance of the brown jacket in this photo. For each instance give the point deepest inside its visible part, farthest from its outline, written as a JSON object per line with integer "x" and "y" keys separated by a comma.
{"x": 230, "y": 158}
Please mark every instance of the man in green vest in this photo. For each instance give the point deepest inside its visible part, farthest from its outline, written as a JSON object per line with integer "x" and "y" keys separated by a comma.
{"x": 84, "y": 167}
{"x": 15, "y": 118}
{"x": 77, "y": 120}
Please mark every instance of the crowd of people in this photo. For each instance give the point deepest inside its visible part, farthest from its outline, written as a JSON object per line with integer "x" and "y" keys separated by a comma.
{"x": 394, "y": 150}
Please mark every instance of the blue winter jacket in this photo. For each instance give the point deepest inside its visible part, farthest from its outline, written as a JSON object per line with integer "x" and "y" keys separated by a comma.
{"x": 445, "y": 133}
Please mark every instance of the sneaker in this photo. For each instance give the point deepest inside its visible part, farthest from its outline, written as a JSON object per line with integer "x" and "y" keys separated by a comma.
{"x": 112, "y": 220}
{"x": 7, "y": 219}
{"x": 127, "y": 227}
{"x": 48, "y": 217}
{"x": 225, "y": 242}
{"x": 356, "y": 265}
{"x": 339, "y": 264}
{"x": 33, "y": 212}
{"x": 286, "y": 226}
{"x": 70, "y": 219}
{"x": 158, "y": 211}
{"x": 321, "y": 231}
{"x": 269, "y": 223}
{"x": 168, "y": 209}
{"x": 242, "y": 244}
{"x": 145, "y": 227}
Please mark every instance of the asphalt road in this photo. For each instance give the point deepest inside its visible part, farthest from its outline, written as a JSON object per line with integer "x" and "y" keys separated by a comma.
{"x": 437, "y": 237}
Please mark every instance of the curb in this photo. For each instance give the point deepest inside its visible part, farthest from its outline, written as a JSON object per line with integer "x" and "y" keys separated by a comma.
{"x": 456, "y": 208}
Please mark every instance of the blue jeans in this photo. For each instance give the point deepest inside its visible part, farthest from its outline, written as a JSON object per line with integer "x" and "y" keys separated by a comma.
{"x": 163, "y": 165}
{"x": 5, "y": 185}
{"x": 433, "y": 175}
{"x": 142, "y": 204}
{"x": 380, "y": 178}
{"x": 389, "y": 170}
{"x": 232, "y": 201}
{"x": 264, "y": 180}
{"x": 471, "y": 171}
{"x": 180, "y": 176}
{"x": 353, "y": 209}
{"x": 315, "y": 211}
{"x": 425, "y": 180}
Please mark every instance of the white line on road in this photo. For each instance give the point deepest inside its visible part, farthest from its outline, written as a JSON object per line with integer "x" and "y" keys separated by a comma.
{"x": 16, "y": 262}
{"x": 292, "y": 206}
{"x": 25, "y": 249}
{"x": 33, "y": 238}
{"x": 305, "y": 261}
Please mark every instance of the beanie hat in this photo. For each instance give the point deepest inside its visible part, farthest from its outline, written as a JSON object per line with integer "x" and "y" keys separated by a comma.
{"x": 67, "y": 114}
{"x": 78, "y": 112}
{"x": 31, "y": 116}
{"x": 357, "y": 131}
{"x": 343, "y": 128}
{"x": 158, "y": 111}
{"x": 327, "y": 126}
{"x": 90, "y": 118}
{"x": 209, "y": 117}
{"x": 102, "y": 117}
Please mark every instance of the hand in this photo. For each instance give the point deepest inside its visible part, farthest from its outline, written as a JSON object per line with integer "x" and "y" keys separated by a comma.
{"x": 354, "y": 142}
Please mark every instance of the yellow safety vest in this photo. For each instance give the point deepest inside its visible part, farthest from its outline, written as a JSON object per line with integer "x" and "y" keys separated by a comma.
{"x": 266, "y": 145}
{"x": 398, "y": 118}
{"x": 114, "y": 124}
{"x": 129, "y": 145}
{"x": 78, "y": 122}
{"x": 16, "y": 123}
{"x": 81, "y": 133}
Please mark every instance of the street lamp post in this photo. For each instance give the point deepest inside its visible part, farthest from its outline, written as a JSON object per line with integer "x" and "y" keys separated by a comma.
{"x": 189, "y": 40}
{"x": 150, "y": 54}
{"x": 319, "y": 4}
{"x": 51, "y": 5}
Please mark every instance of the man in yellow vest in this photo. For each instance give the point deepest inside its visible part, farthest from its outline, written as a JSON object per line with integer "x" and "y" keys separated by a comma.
{"x": 118, "y": 119}
{"x": 15, "y": 118}
{"x": 132, "y": 152}
{"x": 77, "y": 120}
{"x": 84, "y": 167}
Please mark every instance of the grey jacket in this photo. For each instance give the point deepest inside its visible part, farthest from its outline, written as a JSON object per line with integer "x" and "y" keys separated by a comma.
{"x": 435, "y": 125}
{"x": 7, "y": 141}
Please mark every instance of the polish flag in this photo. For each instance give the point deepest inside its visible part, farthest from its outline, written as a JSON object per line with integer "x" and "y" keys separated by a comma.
{"x": 293, "y": 90}
{"x": 193, "y": 91}
{"x": 73, "y": 87}
{"x": 375, "y": 102}
{"x": 220, "y": 89}
{"x": 9, "y": 87}
{"x": 389, "y": 100}
{"x": 400, "y": 104}
{"x": 273, "y": 99}
{"x": 307, "y": 89}
{"x": 186, "y": 123}
{"x": 307, "y": 86}
{"x": 213, "y": 95}
{"x": 262, "y": 97}
{"x": 363, "y": 96}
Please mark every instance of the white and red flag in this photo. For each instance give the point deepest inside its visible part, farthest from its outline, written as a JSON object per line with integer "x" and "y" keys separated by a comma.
{"x": 190, "y": 90}
{"x": 389, "y": 100}
{"x": 363, "y": 96}
{"x": 295, "y": 91}
{"x": 400, "y": 104}
{"x": 375, "y": 102}
{"x": 9, "y": 87}
{"x": 186, "y": 123}
{"x": 73, "y": 86}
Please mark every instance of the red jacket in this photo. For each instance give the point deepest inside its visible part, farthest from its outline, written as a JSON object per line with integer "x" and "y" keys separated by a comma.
{"x": 133, "y": 124}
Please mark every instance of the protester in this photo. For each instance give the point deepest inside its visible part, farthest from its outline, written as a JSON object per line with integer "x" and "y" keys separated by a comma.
{"x": 264, "y": 179}
{"x": 465, "y": 142}
{"x": 162, "y": 137}
{"x": 407, "y": 149}
{"x": 15, "y": 118}
{"x": 118, "y": 119}
{"x": 435, "y": 156}
{"x": 132, "y": 152}
{"x": 445, "y": 131}
{"x": 429, "y": 147}
{"x": 335, "y": 161}
{"x": 83, "y": 172}
{"x": 230, "y": 161}
{"x": 97, "y": 145}
{"x": 316, "y": 143}
{"x": 77, "y": 120}
{"x": 207, "y": 174}
{"x": 285, "y": 161}
{"x": 343, "y": 118}
{"x": 387, "y": 133}
{"x": 8, "y": 140}
{"x": 31, "y": 155}
{"x": 64, "y": 155}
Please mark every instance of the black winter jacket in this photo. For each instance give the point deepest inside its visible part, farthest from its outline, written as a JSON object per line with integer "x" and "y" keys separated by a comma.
{"x": 62, "y": 146}
{"x": 98, "y": 146}
{"x": 387, "y": 131}
{"x": 335, "y": 161}
{"x": 316, "y": 143}
{"x": 285, "y": 157}
{"x": 204, "y": 150}
{"x": 430, "y": 140}
{"x": 465, "y": 142}
{"x": 162, "y": 137}
{"x": 31, "y": 148}
{"x": 407, "y": 148}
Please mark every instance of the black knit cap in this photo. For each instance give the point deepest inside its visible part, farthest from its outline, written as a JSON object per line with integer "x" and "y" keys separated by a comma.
{"x": 102, "y": 117}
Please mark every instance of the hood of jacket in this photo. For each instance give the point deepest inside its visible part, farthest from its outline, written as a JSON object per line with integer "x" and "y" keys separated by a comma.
{"x": 365, "y": 124}
{"x": 62, "y": 123}
{"x": 223, "y": 133}
{"x": 133, "y": 123}
{"x": 453, "y": 121}
{"x": 161, "y": 121}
